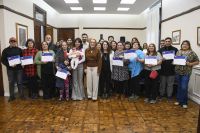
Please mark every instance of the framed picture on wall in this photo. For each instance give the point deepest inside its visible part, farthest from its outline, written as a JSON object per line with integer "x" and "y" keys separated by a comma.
{"x": 22, "y": 35}
{"x": 198, "y": 36}
{"x": 176, "y": 37}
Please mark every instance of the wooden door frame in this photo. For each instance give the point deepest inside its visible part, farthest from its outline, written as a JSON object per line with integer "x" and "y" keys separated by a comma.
{"x": 1, "y": 77}
{"x": 44, "y": 23}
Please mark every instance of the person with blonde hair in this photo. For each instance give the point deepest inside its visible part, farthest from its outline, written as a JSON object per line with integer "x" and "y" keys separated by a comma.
{"x": 93, "y": 69}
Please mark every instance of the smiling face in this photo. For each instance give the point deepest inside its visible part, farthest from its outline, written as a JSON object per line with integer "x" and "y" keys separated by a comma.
{"x": 13, "y": 43}
{"x": 30, "y": 44}
{"x": 135, "y": 46}
{"x": 185, "y": 46}
{"x": 113, "y": 45}
{"x": 105, "y": 46}
{"x": 168, "y": 42}
{"x": 84, "y": 38}
{"x": 120, "y": 46}
{"x": 44, "y": 46}
{"x": 93, "y": 43}
{"x": 48, "y": 39}
{"x": 151, "y": 48}
{"x": 99, "y": 46}
{"x": 77, "y": 44}
{"x": 64, "y": 45}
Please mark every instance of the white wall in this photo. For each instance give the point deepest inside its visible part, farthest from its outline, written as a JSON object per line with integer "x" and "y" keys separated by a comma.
{"x": 172, "y": 7}
{"x": 9, "y": 20}
{"x": 108, "y": 21}
{"x": 188, "y": 24}
{"x": 129, "y": 34}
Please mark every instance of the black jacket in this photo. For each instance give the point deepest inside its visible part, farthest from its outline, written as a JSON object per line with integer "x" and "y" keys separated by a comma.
{"x": 167, "y": 68}
{"x": 8, "y": 52}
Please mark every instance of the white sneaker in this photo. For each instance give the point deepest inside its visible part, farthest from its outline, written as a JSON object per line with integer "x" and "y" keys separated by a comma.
{"x": 176, "y": 103}
{"x": 185, "y": 106}
{"x": 152, "y": 101}
{"x": 146, "y": 100}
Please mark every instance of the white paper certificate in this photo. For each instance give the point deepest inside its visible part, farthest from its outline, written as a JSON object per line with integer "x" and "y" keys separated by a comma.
{"x": 151, "y": 60}
{"x": 118, "y": 62}
{"x": 62, "y": 74}
{"x": 14, "y": 60}
{"x": 179, "y": 60}
{"x": 130, "y": 54}
{"x": 47, "y": 57}
{"x": 27, "y": 60}
{"x": 168, "y": 55}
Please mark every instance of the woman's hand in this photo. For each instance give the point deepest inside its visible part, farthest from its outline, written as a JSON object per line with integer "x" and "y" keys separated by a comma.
{"x": 66, "y": 62}
{"x": 188, "y": 64}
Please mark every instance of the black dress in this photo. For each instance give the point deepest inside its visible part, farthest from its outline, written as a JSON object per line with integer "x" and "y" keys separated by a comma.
{"x": 105, "y": 76}
{"x": 48, "y": 80}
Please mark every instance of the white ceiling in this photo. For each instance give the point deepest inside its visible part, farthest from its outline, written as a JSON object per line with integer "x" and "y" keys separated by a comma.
{"x": 111, "y": 7}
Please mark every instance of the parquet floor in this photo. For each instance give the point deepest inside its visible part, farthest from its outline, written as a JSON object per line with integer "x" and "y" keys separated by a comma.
{"x": 103, "y": 116}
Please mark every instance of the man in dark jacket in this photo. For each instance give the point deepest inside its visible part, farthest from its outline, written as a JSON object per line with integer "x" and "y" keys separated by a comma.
{"x": 167, "y": 70}
{"x": 15, "y": 72}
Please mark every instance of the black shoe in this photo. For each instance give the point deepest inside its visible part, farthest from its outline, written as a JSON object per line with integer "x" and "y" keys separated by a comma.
{"x": 11, "y": 99}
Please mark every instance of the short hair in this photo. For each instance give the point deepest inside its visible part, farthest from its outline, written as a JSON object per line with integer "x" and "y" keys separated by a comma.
{"x": 84, "y": 34}
{"x": 80, "y": 41}
{"x": 111, "y": 37}
{"x": 162, "y": 40}
{"x": 168, "y": 38}
{"x": 30, "y": 40}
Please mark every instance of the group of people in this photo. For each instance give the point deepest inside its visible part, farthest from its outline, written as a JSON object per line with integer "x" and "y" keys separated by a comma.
{"x": 101, "y": 69}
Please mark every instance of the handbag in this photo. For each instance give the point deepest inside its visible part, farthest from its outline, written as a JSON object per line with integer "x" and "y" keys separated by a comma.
{"x": 153, "y": 74}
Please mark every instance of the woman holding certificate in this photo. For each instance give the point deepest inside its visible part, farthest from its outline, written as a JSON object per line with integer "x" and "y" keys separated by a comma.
{"x": 30, "y": 69}
{"x": 136, "y": 66}
{"x": 153, "y": 60}
{"x": 120, "y": 73}
{"x": 183, "y": 72}
{"x": 63, "y": 67}
{"x": 93, "y": 69}
{"x": 46, "y": 70}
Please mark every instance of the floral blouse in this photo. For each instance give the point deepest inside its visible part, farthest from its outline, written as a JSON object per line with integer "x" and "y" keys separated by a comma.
{"x": 191, "y": 56}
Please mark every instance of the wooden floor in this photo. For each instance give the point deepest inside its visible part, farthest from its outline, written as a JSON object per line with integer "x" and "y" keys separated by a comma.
{"x": 103, "y": 116}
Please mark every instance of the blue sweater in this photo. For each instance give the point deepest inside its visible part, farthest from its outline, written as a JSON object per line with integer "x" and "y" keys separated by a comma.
{"x": 135, "y": 66}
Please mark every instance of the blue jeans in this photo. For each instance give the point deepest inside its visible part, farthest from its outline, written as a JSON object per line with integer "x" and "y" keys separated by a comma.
{"x": 182, "y": 90}
{"x": 15, "y": 76}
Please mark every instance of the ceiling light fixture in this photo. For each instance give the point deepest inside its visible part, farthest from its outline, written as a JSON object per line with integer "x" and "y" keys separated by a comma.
{"x": 122, "y": 9}
{"x": 71, "y": 1}
{"x": 99, "y": 1}
{"x": 127, "y": 1}
{"x": 76, "y": 8}
{"x": 99, "y": 8}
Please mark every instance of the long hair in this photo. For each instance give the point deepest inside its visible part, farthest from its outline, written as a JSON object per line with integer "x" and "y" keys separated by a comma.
{"x": 188, "y": 43}
{"x": 154, "y": 52}
{"x": 108, "y": 49}
{"x": 90, "y": 42}
{"x": 80, "y": 41}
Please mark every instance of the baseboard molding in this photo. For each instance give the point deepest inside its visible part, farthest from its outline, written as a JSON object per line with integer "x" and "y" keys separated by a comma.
{"x": 196, "y": 100}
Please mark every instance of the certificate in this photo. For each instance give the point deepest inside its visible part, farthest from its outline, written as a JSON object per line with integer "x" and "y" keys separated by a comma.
{"x": 62, "y": 74}
{"x": 47, "y": 57}
{"x": 168, "y": 55}
{"x": 27, "y": 60}
{"x": 130, "y": 54}
{"x": 179, "y": 60}
{"x": 118, "y": 62}
{"x": 14, "y": 60}
{"x": 151, "y": 60}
